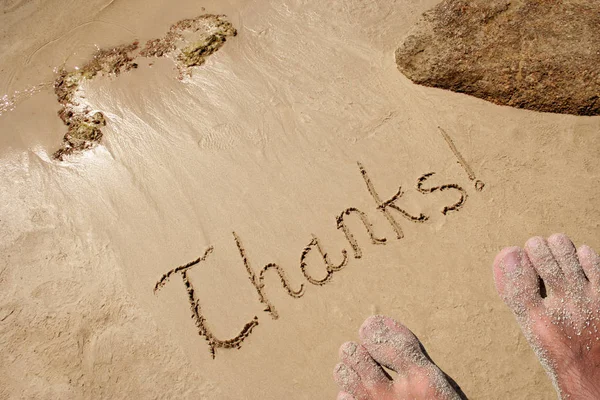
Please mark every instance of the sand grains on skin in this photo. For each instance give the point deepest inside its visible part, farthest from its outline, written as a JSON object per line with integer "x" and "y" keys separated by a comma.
{"x": 387, "y": 343}
{"x": 554, "y": 291}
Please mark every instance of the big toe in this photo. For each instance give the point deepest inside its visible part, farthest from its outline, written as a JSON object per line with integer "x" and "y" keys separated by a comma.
{"x": 392, "y": 344}
{"x": 516, "y": 281}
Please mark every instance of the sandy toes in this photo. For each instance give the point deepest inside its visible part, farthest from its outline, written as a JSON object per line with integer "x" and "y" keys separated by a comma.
{"x": 554, "y": 292}
{"x": 385, "y": 342}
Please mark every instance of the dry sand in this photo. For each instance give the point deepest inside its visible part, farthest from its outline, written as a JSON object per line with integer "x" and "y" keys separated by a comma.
{"x": 263, "y": 140}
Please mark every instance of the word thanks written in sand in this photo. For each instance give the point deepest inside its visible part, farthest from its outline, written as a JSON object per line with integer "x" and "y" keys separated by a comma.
{"x": 388, "y": 208}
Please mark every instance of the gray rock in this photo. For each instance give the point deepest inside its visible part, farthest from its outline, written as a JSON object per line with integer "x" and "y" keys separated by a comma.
{"x": 541, "y": 55}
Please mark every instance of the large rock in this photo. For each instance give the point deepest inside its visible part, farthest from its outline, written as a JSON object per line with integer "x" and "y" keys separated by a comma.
{"x": 540, "y": 55}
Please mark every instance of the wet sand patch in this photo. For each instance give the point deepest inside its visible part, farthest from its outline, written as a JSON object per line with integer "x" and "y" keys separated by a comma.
{"x": 189, "y": 42}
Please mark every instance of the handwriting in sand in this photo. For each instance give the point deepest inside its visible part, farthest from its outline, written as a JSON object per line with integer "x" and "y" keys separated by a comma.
{"x": 389, "y": 208}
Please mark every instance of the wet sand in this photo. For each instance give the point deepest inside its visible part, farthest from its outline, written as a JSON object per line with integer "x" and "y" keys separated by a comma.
{"x": 264, "y": 140}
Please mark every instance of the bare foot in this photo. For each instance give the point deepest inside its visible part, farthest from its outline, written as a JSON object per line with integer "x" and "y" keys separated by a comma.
{"x": 388, "y": 343}
{"x": 554, "y": 292}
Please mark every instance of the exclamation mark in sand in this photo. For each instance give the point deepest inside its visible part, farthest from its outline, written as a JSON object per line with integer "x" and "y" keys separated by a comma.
{"x": 478, "y": 184}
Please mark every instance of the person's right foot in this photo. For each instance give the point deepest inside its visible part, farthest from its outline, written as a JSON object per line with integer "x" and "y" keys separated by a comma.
{"x": 554, "y": 292}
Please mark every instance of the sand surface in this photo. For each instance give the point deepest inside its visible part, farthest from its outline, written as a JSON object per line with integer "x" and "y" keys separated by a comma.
{"x": 264, "y": 140}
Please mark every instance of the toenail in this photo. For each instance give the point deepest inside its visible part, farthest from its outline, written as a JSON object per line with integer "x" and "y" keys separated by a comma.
{"x": 343, "y": 371}
{"x": 511, "y": 261}
{"x": 535, "y": 242}
{"x": 371, "y": 324}
{"x": 378, "y": 328}
{"x": 559, "y": 237}
{"x": 585, "y": 251}
{"x": 350, "y": 348}
{"x": 390, "y": 323}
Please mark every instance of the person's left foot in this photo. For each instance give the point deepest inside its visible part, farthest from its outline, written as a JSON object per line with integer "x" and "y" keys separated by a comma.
{"x": 553, "y": 290}
{"x": 388, "y": 343}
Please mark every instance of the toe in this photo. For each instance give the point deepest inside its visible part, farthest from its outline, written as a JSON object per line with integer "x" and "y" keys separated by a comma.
{"x": 516, "y": 280}
{"x": 545, "y": 264}
{"x": 371, "y": 374}
{"x": 345, "y": 396}
{"x": 349, "y": 381}
{"x": 392, "y": 344}
{"x": 590, "y": 262}
{"x": 565, "y": 254}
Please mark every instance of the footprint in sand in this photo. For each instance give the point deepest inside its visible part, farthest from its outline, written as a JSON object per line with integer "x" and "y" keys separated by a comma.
{"x": 188, "y": 42}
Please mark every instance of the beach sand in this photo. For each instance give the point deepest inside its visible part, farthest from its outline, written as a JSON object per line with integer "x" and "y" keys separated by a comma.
{"x": 270, "y": 141}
